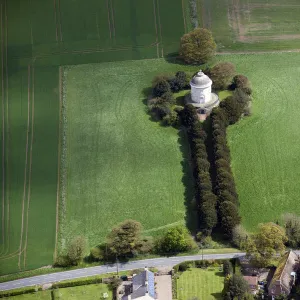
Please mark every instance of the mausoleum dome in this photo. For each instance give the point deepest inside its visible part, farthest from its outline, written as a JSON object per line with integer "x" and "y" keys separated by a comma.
{"x": 201, "y": 80}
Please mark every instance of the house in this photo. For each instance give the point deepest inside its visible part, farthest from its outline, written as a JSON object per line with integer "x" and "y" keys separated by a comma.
{"x": 284, "y": 276}
{"x": 252, "y": 283}
{"x": 142, "y": 287}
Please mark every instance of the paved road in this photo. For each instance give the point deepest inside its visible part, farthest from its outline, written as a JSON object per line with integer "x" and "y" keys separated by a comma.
{"x": 155, "y": 262}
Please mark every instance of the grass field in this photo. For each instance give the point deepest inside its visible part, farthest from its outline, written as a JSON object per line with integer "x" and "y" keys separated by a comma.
{"x": 42, "y": 295}
{"x": 120, "y": 164}
{"x": 249, "y": 25}
{"x": 204, "y": 284}
{"x": 265, "y": 146}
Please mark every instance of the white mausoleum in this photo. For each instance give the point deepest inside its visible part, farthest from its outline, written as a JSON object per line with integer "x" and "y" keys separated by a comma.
{"x": 201, "y": 95}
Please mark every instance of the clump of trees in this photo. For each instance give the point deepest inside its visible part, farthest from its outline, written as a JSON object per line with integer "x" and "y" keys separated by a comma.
{"x": 76, "y": 251}
{"x": 292, "y": 229}
{"x": 222, "y": 75}
{"x": 197, "y": 46}
{"x": 235, "y": 287}
{"x": 162, "y": 103}
{"x": 175, "y": 240}
{"x": 262, "y": 246}
{"x": 206, "y": 199}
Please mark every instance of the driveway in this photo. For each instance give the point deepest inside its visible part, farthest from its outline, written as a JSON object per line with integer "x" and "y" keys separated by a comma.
{"x": 164, "y": 287}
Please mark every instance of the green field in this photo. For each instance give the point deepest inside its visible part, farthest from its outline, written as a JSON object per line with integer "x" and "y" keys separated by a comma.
{"x": 42, "y": 295}
{"x": 250, "y": 25}
{"x": 204, "y": 284}
{"x": 120, "y": 164}
{"x": 37, "y": 37}
{"x": 265, "y": 146}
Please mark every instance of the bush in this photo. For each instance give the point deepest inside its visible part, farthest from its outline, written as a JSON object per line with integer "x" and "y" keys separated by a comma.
{"x": 77, "y": 282}
{"x": 62, "y": 261}
{"x": 16, "y": 292}
{"x": 172, "y": 119}
{"x": 240, "y": 81}
{"x": 98, "y": 253}
{"x": 227, "y": 268}
{"x": 161, "y": 87}
{"x": 222, "y": 74}
{"x": 184, "y": 266}
{"x": 175, "y": 240}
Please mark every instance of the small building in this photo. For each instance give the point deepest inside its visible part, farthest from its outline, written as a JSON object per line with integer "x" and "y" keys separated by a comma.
{"x": 252, "y": 283}
{"x": 284, "y": 276}
{"x": 142, "y": 287}
{"x": 201, "y": 96}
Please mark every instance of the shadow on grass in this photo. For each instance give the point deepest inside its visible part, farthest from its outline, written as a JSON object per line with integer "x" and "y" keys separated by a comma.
{"x": 191, "y": 217}
{"x": 217, "y": 295}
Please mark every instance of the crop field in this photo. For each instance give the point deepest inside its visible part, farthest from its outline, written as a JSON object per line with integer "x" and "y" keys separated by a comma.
{"x": 250, "y": 25}
{"x": 119, "y": 164}
{"x": 265, "y": 147}
{"x": 62, "y": 32}
{"x": 203, "y": 284}
{"x": 36, "y": 38}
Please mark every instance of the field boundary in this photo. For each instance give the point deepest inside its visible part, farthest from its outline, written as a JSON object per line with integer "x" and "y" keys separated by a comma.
{"x": 25, "y": 167}
{"x": 30, "y": 168}
{"x": 58, "y": 164}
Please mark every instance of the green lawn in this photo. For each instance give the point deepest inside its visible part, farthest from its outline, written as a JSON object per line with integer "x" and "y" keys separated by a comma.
{"x": 204, "y": 284}
{"x": 265, "y": 147}
{"x": 120, "y": 164}
{"x": 42, "y": 295}
{"x": 87, "y": 292}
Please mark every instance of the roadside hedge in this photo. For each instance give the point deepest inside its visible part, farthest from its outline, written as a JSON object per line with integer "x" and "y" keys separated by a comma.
{"x": 20, "y": 291}
{"x": 77, "y": 282}
{"x": 206, "y": 199}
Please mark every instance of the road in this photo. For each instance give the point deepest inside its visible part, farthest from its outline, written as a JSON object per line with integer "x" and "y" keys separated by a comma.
{"x": 91, "y": 271}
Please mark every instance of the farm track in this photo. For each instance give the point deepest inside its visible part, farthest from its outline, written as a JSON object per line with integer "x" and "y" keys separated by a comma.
{"x": 55, "y": 20}
{"x": 159, "y": 24}
{"x": 30, "y": 168}
{"x": 26, "y": 167}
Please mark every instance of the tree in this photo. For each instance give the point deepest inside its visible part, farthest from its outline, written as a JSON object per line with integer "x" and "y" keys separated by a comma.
{"x": 227, "y": 268}
{"x": 77, "y": 249}
{"x": 237, "y": 286}
{"x": 125, "y": 239}
{"x": 161, "y": 87}
{"x": 266, "y": 243}
{"x": 222, "y": 74}
{"x": 197, "y": 46}
{"x": 239, "y": 236}
{"x": 232, "y": 108}
{"x": 240, "y": 81}
{"x": 292, "y": 229}
{"x": 182, "y": 80}
{"x": 188, "y": 115}
{"x": 176, "y": 239}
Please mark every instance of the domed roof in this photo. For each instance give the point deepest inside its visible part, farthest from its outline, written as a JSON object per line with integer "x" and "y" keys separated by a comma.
{"x": 201, "y": 80}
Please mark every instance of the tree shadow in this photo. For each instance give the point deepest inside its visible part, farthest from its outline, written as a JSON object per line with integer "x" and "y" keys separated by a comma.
{"x": 191, "y": 217}
{"x": 217, "y": 296}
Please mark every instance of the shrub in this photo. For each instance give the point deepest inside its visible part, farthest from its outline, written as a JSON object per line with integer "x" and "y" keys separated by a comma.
{"x": 222, "y": 74}
{"x": 77, "y": 282}
{"x": 161, "y": 87}
{"x": 240, "y": 81}
{"x": 172, "y": 119}
{"x": 62, "y": 261}
{"x": 227, "y": 268}
{"x": 15, "y": 292}
{"x": 184, "y": 266}
{"x": 182, "y": 80}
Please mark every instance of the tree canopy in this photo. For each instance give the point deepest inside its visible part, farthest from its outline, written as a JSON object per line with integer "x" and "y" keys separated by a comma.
{"x": 77, "y": 249}
{"x": 197, "y": 46}
{"x": 268, "y": 241}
